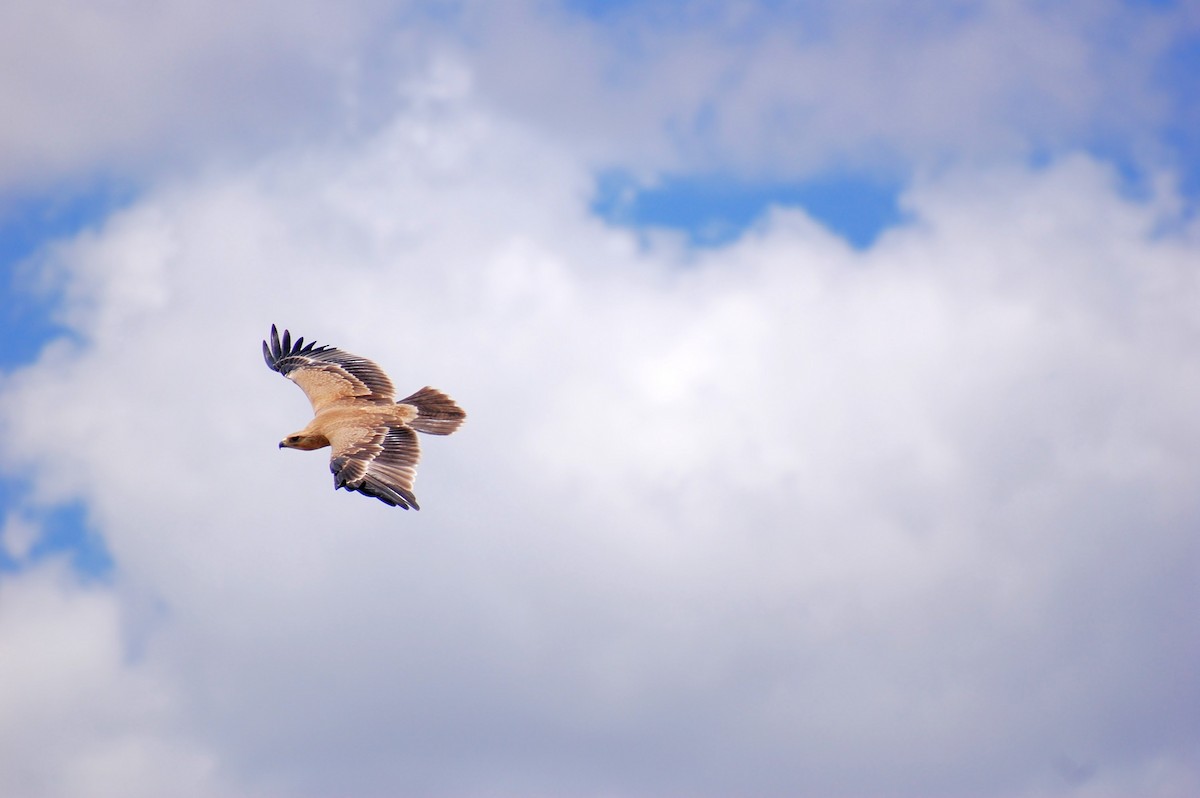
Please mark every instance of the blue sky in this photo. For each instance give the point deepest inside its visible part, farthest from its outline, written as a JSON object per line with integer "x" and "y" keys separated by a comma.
{"x": 713, "y": 209}
{"x": 30, "y": 222}
{"x": 830, "y": 372}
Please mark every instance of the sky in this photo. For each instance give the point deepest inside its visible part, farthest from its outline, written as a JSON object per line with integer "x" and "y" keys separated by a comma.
{"x": 831, "y": 370}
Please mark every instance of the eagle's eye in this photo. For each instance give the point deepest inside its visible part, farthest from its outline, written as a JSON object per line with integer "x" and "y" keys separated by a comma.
{"x": 294, "y": 439}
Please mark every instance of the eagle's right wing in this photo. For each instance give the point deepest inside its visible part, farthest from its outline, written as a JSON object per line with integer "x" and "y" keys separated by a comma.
{"x": 327, "y": 375}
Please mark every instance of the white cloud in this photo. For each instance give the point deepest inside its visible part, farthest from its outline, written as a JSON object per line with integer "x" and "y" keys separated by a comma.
{"x": 780, "y": 90}
{"x": 116, "y": 89}
{"x": 778, "y": 518}
{"x": 17, "y": 536}
{"x": 789, "y": 89}
{"x": 78, "y": 715}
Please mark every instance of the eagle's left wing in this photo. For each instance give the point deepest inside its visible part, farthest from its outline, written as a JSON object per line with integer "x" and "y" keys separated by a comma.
{"x": 377, "y": 461}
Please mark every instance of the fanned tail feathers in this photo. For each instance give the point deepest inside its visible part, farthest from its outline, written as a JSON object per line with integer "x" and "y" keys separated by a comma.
{"x": 437, "y": 414}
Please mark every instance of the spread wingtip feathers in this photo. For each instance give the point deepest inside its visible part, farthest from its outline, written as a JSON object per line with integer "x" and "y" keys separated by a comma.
{"x": 279, "y": 351}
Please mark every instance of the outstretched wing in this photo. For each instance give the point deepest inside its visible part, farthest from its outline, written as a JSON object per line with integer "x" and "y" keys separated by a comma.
{"x": 327, "y": 375}
{"x": 377, "y": 461}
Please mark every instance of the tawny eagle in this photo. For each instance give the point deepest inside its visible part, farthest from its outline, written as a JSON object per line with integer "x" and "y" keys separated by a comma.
{"x": 373, "y": 437}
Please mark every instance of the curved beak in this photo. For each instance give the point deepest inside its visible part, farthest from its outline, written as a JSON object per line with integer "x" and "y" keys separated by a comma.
{"x": 281, "y": 446}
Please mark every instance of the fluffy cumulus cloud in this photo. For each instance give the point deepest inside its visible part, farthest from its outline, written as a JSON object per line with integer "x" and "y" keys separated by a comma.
{"x": 781, "y": 517}
{"x": 770, "y": 89}
{"x": 118, "y": 90}
{"x": 799, "y": 87}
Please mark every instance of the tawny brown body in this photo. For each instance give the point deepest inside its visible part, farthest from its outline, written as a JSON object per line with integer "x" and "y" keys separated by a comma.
{"x": 372, "y": 436}
{"x": 341, "y": 421}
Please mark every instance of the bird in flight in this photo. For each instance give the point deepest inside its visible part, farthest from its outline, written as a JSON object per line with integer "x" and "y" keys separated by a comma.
{"x": 372, "y": 437}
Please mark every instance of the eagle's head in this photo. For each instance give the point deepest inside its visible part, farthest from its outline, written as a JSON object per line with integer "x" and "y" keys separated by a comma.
{"x": 301, "y": 441}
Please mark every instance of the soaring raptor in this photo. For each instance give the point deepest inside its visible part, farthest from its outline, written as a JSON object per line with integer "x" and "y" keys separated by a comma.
{"x": 374, "y": 445}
